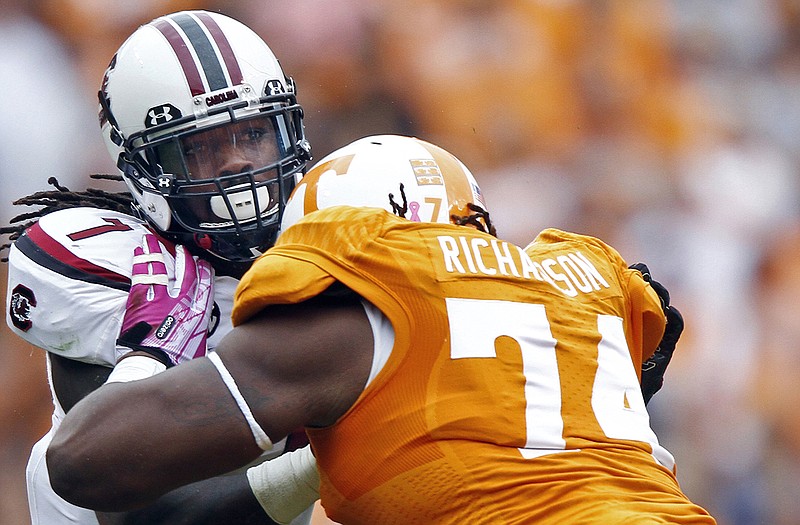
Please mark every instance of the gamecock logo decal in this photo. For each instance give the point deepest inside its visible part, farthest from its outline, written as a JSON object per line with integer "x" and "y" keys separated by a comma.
{"x": 22, "y": 302}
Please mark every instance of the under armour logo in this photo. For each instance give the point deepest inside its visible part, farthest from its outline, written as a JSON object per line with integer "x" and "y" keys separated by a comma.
{"x": 165, "y": 182}
{"x": 161, "y": 115}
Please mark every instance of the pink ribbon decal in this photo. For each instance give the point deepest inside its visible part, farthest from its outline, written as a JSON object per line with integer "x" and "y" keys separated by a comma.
{"x": 414, "y": 207}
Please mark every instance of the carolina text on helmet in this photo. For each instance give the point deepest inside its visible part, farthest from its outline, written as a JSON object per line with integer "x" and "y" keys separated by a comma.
{"x": 219, "y": 98}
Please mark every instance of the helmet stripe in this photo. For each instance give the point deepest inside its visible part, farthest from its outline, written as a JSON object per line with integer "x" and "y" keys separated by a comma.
{"x": 224, "y": 48}
{"x": 209, "y": 62}
{"x": 459, "y": 191}
{"x": 184, "y": 56}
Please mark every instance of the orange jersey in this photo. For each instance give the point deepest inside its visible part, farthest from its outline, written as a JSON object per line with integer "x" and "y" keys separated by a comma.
{"x": 511, "y": 394}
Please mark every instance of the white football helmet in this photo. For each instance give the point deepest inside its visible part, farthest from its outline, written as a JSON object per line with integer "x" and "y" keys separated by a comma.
{"x": 206, "y": 129}
{"x": 403, "y": 175}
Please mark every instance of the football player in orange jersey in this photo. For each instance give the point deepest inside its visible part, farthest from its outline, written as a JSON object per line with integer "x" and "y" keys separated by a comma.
{"x": 442, "y": 374}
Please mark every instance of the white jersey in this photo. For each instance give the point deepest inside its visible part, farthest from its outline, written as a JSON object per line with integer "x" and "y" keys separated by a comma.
{"x": 68, "y": 282}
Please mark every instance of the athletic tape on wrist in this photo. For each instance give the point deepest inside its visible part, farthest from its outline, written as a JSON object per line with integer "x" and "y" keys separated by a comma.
{"x": 287, "y": 485}
{"x": 134, "y": 368}
{"x": 261, "y": 437}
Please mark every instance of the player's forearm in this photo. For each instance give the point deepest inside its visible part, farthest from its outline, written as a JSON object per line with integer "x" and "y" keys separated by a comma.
{"x": 88, "y": 473}
{"x": 223, "y": 499}
{"x": 108, "y": 457}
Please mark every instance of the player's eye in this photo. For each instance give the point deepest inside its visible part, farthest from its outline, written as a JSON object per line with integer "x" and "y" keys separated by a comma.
{"x": 192, "y": 148}
{"x": 256, "y": 134}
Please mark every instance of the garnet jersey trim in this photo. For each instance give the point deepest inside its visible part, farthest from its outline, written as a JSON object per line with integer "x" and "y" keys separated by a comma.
{"x": 46, "y": 252}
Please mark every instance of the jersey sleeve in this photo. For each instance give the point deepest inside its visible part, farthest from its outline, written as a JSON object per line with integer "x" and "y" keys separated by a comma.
{"x": 301, "y": 264}
{"x": 304, "y": 281}
{"x": 68, "y": 282}
{"x": 647, "y": 318}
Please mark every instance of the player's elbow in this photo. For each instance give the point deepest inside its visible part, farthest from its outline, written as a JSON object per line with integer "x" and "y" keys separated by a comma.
{"x": 74, "y": 476}
{"x": 69, "y": 476}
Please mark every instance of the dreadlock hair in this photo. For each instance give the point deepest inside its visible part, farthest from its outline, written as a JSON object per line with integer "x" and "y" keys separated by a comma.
{"x": 60, "y": 199}
{"x": 473, "y": 219}
{"x": 400, "y": 211}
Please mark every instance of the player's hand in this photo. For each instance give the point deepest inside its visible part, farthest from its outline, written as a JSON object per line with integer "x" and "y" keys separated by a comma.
{"x": 653, "y": 369}
{"x": 167, "y": 314}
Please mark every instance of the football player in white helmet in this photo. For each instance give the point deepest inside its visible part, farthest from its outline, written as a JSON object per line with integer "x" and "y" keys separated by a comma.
{"x": 442, "y": 374}
{"x": 207, "y": 131}
{"x": 208, "y": 135}
{"x": 428, "y": 184}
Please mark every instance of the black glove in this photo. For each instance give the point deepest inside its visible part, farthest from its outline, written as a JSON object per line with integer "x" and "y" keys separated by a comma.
{"x": 653, "y": 369}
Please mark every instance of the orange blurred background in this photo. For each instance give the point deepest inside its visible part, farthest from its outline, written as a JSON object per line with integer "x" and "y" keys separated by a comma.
{"x": 669, "y": 128}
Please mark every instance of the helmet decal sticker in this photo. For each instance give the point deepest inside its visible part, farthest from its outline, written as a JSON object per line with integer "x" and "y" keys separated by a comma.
{"x": 274, "y": 87}
{"x": 165, "y": 184}
{"x": 414, "y": 206}
{"x": 22, "y": 302}
{"x": 161, "y": 115}
{"x": 219, "y": 98}
{"x": 478, "y": 195}
{"x": 337, "y": 166}
{"x": 427, "y": 172}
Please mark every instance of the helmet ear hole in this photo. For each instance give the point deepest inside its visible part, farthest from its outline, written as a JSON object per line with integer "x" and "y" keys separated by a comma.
{"x": 198, "y": 73}
{"x": 152, "y": 206}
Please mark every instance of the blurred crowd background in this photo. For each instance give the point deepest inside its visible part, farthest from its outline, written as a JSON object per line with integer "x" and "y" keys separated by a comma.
{"x": 668, "y": 128}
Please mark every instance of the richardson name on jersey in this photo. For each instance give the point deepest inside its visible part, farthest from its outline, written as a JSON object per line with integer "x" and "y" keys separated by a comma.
{"x": 570, "y": 273}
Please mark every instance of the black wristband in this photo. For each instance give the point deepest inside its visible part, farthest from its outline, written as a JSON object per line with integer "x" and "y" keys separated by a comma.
{"x": 156, "y": 353}
{"x": 133, "y": 337}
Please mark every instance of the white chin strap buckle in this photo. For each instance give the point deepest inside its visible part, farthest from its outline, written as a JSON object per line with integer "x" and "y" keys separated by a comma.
{"x": 242, "y": 202}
